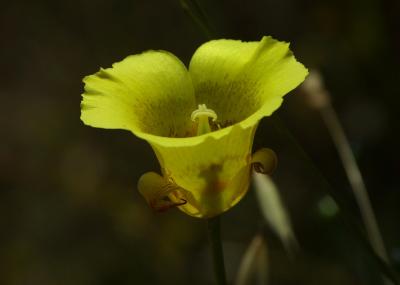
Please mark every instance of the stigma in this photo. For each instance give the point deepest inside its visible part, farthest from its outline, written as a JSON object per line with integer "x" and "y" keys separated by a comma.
{"x": 201, "y": 116}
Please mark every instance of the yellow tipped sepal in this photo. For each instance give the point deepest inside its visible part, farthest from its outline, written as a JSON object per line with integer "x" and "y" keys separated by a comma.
{"x": 264, "y": 161}
{"x": 161, "y": 194}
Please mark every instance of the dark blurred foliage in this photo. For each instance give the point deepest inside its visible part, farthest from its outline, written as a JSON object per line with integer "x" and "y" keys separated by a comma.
{"x": 69, "y": 209}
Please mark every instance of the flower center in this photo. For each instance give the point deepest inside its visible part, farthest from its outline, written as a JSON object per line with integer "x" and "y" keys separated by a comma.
{"x": 201, "y": 116}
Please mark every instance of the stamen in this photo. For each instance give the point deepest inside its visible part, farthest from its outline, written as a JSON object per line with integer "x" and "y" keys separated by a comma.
{"x": 201, "y": 115}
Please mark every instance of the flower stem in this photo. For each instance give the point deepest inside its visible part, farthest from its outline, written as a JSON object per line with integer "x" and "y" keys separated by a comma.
{"x": 214, "y": 236}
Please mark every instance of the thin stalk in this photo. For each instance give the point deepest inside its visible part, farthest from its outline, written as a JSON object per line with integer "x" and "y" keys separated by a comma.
{"x": 345, "y": 214}
{"x": 195, "y": 11}
{"x": 319, "y": 98}
{"x": 214, "y": 236}
{"x": 356, "y": 181}
{"x": 355, "y": 178}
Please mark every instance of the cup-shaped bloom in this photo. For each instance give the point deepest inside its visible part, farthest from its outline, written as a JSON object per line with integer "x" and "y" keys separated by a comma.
{"x": 200, "y": 121}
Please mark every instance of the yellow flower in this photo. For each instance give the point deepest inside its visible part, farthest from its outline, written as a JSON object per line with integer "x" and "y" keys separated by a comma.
{"x": 200, "y": 121}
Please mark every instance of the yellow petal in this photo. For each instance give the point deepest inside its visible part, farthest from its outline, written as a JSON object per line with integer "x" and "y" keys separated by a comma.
{"x": 148, "y": 93}
{"x": 244, "y": 81}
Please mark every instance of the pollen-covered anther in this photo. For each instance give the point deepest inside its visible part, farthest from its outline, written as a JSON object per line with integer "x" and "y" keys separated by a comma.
{"x": 201, "y": 116}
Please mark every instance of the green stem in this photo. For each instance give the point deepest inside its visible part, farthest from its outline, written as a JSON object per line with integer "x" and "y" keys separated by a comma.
{"x": 195, "y": 11}
{"x": 214, "y": 236}
{"x": 356, "y": 181}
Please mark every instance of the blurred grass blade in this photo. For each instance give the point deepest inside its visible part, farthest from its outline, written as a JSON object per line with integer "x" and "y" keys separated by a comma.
{"x": 274, "y": 211}
{"x": 194, "y": 10}
{"x": 253, "y": 268}
{"x": 319, "y": 98}
{"x": 344, "y": 213}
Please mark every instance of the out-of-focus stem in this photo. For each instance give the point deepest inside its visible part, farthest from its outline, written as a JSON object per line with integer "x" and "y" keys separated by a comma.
{"x": 355, "y": 179}
{"x": 345, "y": 214}
{"x": 319, "y": 99}
{"x": 195, "y": 11}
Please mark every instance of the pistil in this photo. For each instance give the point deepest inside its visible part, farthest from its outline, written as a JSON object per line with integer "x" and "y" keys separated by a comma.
{"x": 201, "y": 116}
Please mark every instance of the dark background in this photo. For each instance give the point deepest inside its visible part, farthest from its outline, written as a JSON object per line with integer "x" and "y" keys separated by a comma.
{"x": 69, "y": 209}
